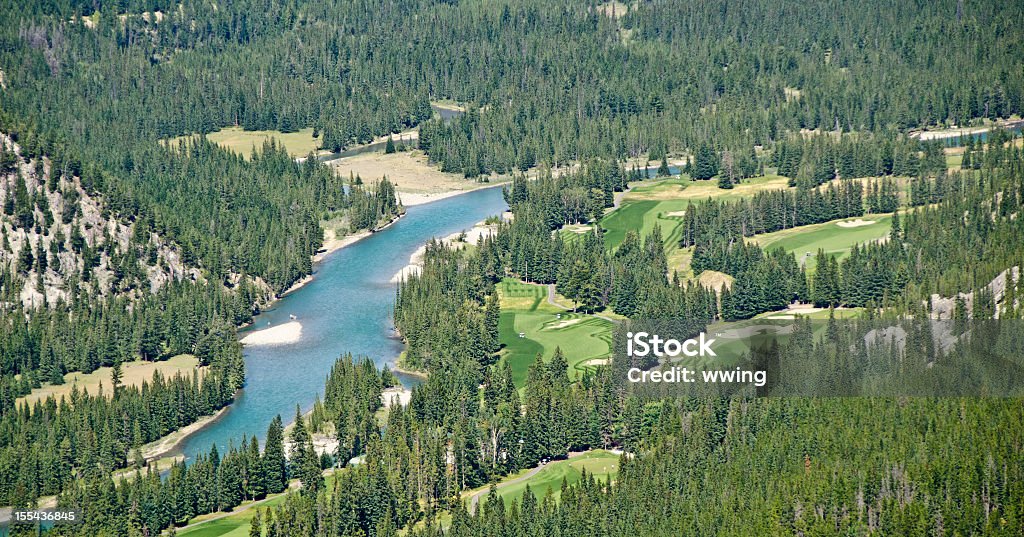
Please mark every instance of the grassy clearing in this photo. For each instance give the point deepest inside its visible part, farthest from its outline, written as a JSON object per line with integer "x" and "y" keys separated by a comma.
{"x": 298, "y": 144}
{"x": 829, "y": 236}
{"x": 524, "y": 310}
{"x": 612, "y": 10}
{"x": 133, "y": 374}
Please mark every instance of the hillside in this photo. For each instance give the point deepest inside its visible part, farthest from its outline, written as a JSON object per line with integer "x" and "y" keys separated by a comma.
{"x": 59, "y": 239}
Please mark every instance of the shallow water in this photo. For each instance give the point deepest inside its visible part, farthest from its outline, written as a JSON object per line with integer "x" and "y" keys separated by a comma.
{"x": 345, "y": 308}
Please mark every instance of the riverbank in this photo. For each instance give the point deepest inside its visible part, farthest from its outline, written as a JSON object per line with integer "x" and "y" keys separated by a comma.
{"x": 331, "y": 244}
{"x": 416, "y": 179}
{"x": 168, "y": 445}
{"x": 960, "y": 132}
{"x": 289, "y": 332}
{"x": 397, "y": 367}
{"x": 472, "y": 236}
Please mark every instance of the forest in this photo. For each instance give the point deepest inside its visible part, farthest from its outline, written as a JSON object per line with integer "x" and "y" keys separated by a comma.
{"x": 157, "y": 242}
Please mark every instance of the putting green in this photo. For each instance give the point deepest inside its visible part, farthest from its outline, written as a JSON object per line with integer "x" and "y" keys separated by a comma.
{"x": 833, "y": 238}
{"x": 525, "y": 312}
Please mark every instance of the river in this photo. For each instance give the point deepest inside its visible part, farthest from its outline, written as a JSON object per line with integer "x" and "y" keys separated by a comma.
{"x": 345, "y": 308}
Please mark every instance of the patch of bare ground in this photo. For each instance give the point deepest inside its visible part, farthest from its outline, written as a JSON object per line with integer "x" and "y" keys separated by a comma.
{"x": 415, "y": 178}
{"x": 715, "y": 280}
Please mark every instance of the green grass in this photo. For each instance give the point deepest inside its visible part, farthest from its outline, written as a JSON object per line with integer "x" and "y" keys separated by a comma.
{"x": 828, "y": 236}
{"x": 237, "y": 524}
{"x": 524, "y": 310}
{"x": 660, "y": 203}
{"x": 600, "y": 463}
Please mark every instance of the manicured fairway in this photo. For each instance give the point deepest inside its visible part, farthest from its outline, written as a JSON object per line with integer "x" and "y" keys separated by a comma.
{"x": 642, "y": 216}
{"x": 829, "y": 236}
{"x": 237, "y": 524}
{"x": 662, "y": 203}
{"x": 684, "y": 188}
{"x": 599, "y": 463}
{"x": 524, "y": 310}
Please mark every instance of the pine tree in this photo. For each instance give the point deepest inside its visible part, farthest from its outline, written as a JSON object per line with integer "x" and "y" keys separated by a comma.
{"x": 706, "y": 163}
{"x": 304, "y": 463}
{"x": 255, "y": 525}
{"x": 663, "y": 170}
{"x": 275, "y": 469}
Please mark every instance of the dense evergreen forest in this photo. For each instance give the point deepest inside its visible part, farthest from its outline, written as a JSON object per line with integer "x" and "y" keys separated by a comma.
{"x": 94, "y": 95}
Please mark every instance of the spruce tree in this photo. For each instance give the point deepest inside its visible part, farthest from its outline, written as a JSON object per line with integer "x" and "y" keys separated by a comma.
{"x": 275, "y": 468}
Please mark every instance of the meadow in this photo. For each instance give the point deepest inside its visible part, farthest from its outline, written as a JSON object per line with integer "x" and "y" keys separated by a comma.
{"x": 132, "y": 374}
{"x": 298, "y": 144}
{"x": 544, "y": 327}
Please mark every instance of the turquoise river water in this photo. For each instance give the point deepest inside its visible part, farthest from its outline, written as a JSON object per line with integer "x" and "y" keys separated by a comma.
{"x": 345, "y": 308}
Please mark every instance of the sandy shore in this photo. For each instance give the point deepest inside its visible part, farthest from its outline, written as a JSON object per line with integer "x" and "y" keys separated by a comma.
{"x": 400, "y": 394}
{"x": 416, "y": 179}
{"x": 289, "y": 332}
{"x": 957, "y": 132}
{"x": 473, "y": 236}
{"x": 170, "y": 443}
{"x": 410, "y": 199}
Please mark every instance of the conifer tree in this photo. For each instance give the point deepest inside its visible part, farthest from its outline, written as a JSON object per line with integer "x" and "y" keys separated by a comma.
{"x": 275, "y": 467}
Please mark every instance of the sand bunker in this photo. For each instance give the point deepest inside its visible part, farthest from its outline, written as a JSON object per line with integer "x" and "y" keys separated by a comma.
{"x": 597, "y": 361}
{"x": 563, "y": 324}
{"x": 855, "y": 223}
{"x": 675, "y": 213}
{"x": 276, "y": 335}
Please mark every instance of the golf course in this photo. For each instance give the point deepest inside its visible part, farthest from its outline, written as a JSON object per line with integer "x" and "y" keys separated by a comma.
{"x": 836, "y": 238}
{"x": 601, "y": 464}
{"x": 529, "y": 326}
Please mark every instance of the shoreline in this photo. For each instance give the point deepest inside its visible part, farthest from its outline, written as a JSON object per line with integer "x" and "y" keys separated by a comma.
{"x": 412, "y": 199}
{"x": 329, "y": 247}
{"x": 396, "y": 367}
{"x": 171, "y": 443}
{"x": 953, "y": 133}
